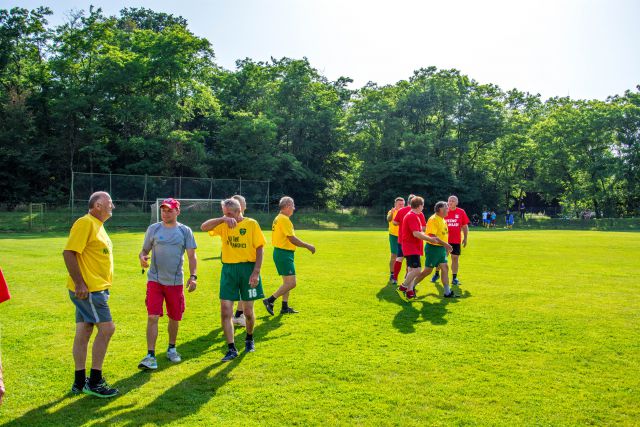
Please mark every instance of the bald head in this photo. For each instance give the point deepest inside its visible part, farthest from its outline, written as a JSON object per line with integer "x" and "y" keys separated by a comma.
{"x": 96, "y": 197}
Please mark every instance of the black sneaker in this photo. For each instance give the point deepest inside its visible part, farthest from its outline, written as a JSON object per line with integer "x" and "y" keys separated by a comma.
{"x": 268, "y": 305}
{"x": 101, "y": 389}
{"x": 231, "y": 354}
{"x": 76, "y": 389}
{"x": 451, "y": 295}
{"x": 249, "y": 346}
{"x": 288, "y": 310}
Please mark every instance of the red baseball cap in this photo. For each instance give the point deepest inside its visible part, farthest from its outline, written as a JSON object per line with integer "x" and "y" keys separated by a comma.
{"x": 171, "y": 203}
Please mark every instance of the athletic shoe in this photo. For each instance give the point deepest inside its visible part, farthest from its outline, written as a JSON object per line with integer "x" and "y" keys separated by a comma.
{"x": 401, "y": 294}
{"x": 435, "y": 277}
{"x": 395, "y": 282}
{"x": 288, "y": 310}
{"x": 268, "y": 305}
{"x": 76, "y": 389}
{"x": 451, "y": 294}
{"x": 173, "y": 355}
{"x": 101, "y": 389}
{"x": 149, "y": 362}
{"x": 455, "y": 282}
{"x": 240, "y": 321}
{"x": 231, "y": 354}
{"x": 411, "y": 295}
{"x": 249, "y": 346}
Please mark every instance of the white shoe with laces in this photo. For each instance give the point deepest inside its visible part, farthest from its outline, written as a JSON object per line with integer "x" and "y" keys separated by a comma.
{"x": 173, "y": 355}
{"x": 240, "y": 321}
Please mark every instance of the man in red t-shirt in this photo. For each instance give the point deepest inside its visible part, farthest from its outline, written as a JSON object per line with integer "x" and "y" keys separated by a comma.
{"x": 412, "y": 247}
{"x": 398, "y": 221}
{"x": 457, "y": 222}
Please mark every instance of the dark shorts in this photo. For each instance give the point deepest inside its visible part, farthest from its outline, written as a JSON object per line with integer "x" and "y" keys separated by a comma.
{"x": 94, "y": 309}
{"x": 234, "y": 283}
{"x": 456, "y": 248}
{"x": 283, "y": 259}
{"x": 399, "y": 254}
{"x": 413, "y": 261}
{"x": 393, "y": 244}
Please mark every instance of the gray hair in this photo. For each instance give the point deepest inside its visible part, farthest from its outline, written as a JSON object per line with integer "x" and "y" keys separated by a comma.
{"x": 454, "y": 197}
{"x": 439, "y": 205}
{"x": 232, "y": 204}
{"x": 242, "y": 200}
{"x": 285, "y": 201}
{"x": 95, "y": 198}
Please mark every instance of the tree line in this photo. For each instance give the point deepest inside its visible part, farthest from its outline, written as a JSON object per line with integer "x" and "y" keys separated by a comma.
{"x": 139, "y": 93}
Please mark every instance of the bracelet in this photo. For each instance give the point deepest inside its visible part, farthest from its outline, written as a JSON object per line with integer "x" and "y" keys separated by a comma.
{"x": 194, "y": 277}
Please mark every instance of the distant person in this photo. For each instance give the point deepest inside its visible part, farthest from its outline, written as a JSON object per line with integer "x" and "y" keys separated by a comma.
{"x": 522, "y": 209}
{"x": 167, "y": 241}
{"x": 509, "y": 220}
{"x": 242, "y": 255}
{"x": 493, "y": 219}
{"x": 475, "y": 220}
{"x": 458, "y": 226}
{"x": 284, "y": 242}
{"x": 412, "y": 247}
{"x": 88, "y": 256}
{"x": 485, "y": 218}
{"x": 398, "y": 221}
{"x": 393, "y": 235}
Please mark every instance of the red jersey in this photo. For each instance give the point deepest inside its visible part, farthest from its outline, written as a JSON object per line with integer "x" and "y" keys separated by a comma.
{"x": 456, "y": 219}
{"x": 410, "y": 244}
{"x": 400, "y": 218}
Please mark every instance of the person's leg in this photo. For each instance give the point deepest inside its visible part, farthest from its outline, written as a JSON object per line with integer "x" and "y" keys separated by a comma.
{"x": 422, "y": 275}
{"x": 397, "y": 266}
{"x": 454, "y": 264}
{"x": 81, "y": 344}
{"x": 101, "y": 343}
{"x": 152, "y": 333}
{"x": 288, "y": 283}
{"x": 444, "y": 268}
{"x": 392, "y": 262}
{"x": 173, "y": 331}
{"x": 226, "y": 312}
{"x": 250, "y": 315}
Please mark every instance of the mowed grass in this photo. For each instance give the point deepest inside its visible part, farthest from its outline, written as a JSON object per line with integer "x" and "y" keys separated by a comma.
{"x": 547, "y": 333}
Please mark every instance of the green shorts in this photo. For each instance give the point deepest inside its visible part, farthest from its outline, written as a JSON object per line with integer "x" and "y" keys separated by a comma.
{"x": 435, "y": 255}
{"x": 393, "y": 244}
{"x": 283, "y": 259}
{"x": 234, "y": 283}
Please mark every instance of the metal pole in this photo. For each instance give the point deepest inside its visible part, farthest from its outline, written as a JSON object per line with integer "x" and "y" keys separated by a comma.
{"x": 144, "y": 195}
{"x": 110, "y": 190}
{"x": 240, "y": 192}
{"x": 71, "y": 197}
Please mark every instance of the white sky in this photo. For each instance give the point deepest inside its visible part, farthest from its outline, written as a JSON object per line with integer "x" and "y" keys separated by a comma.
{"x": 580, "y": 48}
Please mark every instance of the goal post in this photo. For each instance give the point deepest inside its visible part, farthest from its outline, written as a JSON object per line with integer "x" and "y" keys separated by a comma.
{"x": 36, "y": 216}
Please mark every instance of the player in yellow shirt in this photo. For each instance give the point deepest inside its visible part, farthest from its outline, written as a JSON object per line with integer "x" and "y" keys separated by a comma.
{"x": 242, "y": 254}
{"x": 436, "y": 253}
{"x": 393, "y": 235}
{"x": 284, "y": 242}
{"x": 88, "y": 257}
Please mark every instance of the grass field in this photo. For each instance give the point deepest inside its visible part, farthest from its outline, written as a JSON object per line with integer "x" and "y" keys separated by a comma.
{"x": 548, "y": 333}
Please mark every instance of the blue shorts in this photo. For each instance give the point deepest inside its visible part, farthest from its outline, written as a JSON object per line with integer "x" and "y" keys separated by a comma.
{"x": 94, "y": 309}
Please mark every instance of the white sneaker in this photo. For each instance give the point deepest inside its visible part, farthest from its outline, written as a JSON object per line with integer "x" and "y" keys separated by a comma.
{"x": 173, "y": 355}
{"x": 240, "y": 321}
{"x": 149, "y": 362}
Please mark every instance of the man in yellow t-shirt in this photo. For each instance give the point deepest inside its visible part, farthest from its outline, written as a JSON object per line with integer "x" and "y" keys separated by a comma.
{"x": 436, "y": 253}
{"x": 242, "y": 253}
{"x": 284, "y": 242}
{"x": 88, "y": 257}
{"x": 393, "y": 235}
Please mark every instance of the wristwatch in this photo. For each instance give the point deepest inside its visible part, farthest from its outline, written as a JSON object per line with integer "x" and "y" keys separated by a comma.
{"x": 194, "y": 277}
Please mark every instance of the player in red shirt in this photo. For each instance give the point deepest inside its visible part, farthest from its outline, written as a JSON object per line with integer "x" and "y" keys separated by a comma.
{"x": 412, "y": 246}
{"x": 457, "y": 222}
{"x": 398, "y": 221}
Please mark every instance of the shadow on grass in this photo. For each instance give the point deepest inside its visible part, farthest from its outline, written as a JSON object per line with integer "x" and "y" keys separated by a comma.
{"x": 181, "y": 400}
{"x": 83, "y": 409}
{"x": 432, "y": 312}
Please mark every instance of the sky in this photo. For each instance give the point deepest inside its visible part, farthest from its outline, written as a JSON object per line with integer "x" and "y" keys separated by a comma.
{"x": 587, "y": 49}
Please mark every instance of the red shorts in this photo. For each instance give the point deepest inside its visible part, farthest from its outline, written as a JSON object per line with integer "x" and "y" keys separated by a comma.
{"x": 173, "y": 295}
